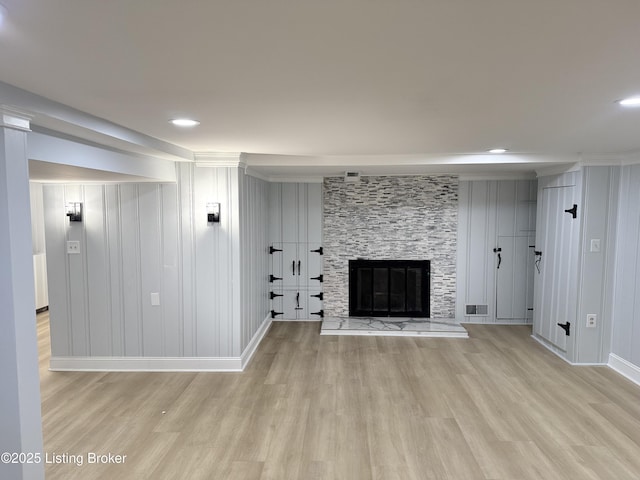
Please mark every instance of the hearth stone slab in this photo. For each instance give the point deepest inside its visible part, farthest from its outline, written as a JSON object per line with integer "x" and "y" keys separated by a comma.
{"x": 384, "y": 326}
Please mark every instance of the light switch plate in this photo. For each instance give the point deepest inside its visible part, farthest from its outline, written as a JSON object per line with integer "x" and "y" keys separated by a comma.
{"x": 73, "y": 247}
{"x": 155, "y": 299}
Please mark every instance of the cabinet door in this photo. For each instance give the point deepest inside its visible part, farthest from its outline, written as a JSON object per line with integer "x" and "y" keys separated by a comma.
{"x": 294, "y": 304}
{"x": 290, "y": 265}
{"x": 314, "y": 299}
{"x": 277, "y": 308}
{"x": 556, "y": 279}
{"x": 514, "y": 278}
{"x": 314, "y": 265}
{"x": 277, "y": 250}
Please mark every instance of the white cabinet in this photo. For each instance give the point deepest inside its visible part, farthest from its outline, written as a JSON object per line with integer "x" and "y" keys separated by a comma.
{"x": 296, "y": 251}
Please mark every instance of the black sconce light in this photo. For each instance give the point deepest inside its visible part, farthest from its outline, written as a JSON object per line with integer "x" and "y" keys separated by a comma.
{"x": 74, "y": 211}
{"x": 213, "y": 212}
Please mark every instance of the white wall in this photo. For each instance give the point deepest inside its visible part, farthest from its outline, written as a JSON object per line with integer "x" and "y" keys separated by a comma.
{"x": 489, "y": 209}
{"x": 138, "y": 239}
{"x": 254, "y": 257}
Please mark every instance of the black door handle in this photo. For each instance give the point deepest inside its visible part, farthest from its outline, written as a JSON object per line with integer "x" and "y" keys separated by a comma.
{"x": 573, "y": 211}
{"x": 498, "y": 250}
{"x": 566, "y": 327}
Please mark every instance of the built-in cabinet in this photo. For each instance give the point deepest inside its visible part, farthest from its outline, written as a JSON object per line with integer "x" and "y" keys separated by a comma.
{"x": 496, "y": 236}
{"x": 296, "y": 251}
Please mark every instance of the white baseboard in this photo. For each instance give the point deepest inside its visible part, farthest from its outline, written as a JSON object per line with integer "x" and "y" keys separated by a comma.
{"x": 146, "y": 364}
{"x": 625, "y": 368}
{"x": 162, "y": 364}
{"x": 247, "y": 355}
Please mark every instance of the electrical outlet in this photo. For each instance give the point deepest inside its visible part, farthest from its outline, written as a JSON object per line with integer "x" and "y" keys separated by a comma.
{"x": 73, "y": 247}
{"x": 595, "y": 245}
{"x": 591, "y": 320}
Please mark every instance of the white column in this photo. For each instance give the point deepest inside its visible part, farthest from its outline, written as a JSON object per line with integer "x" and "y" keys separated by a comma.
{"x": 20, "y": 416}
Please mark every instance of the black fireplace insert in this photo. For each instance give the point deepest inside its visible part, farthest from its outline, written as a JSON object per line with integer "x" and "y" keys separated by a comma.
{"x": 389, "y": 288}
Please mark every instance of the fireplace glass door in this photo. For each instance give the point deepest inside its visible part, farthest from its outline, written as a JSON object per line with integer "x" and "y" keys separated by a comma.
{"x": 389, "y": 288}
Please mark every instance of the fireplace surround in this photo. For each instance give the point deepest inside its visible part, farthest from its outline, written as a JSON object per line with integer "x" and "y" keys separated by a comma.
{"x": 389, "y": 288}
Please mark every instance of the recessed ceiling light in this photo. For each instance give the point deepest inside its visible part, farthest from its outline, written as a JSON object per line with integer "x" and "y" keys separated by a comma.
{"x": 630, "y": 102}
{"x": 498, "y": 150}
{"x": 184, "y": 122}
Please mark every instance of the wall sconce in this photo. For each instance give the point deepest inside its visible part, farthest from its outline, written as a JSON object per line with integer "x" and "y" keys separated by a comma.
{"x": 213, "y": 212}
{"x": 74, "y": 211}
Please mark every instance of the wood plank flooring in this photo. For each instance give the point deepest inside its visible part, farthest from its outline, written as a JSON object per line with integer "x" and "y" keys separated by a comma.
{"x": 494, "y": 406}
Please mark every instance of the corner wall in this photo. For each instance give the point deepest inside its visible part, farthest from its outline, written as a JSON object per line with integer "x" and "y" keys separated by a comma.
{"x": 139, "y": 239}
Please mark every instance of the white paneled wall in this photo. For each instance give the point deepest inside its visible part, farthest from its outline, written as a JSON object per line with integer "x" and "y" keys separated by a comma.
{"x": 142, "y": 239}
{"x": 492, "y": 214}
{"x": 38, "y": 246}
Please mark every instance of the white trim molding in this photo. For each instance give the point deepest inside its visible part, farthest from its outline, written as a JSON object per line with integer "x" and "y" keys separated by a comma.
{"x": 145, "y": 364}
{"x": 248, "y": 352}
{"x": 218, "y": 159}
{"x": 14, "y": 119}
{"x": 624, "y": 368}
{"x": 162, "y": 364}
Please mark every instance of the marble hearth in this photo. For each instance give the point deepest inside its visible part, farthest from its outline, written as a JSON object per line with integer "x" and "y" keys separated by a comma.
{"x": 407, "y": 327}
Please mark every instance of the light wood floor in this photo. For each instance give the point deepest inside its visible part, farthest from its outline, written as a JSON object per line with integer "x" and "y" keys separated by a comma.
{"x": 495, "y": 406}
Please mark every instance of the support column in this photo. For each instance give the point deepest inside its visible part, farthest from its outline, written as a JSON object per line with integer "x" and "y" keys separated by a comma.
{"x": 20, "y": 414}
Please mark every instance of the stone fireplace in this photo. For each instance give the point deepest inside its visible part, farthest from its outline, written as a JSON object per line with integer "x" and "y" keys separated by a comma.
{"x": 391, "y": 218}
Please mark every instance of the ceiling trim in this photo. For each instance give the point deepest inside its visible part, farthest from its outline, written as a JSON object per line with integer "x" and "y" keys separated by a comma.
{"x": 218, "y": 159}
{"x": 35, "y": 105}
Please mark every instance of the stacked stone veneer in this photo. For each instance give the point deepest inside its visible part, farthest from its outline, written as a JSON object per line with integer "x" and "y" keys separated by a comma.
{"x": 391, "y": 218}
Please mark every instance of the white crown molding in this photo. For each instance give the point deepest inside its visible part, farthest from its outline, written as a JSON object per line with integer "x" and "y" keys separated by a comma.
{"x": 219, "y": 159}
{"x": 558, "y": 169}
{"x": 14, "y": 119}
{"x": 496, "y": 176}
{"x": 299, "y": 179}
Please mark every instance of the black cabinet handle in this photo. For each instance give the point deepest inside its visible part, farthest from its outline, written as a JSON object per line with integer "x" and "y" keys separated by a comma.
{"x": 319, "y": 295}
{"x": 299, "y": 263}
{"x": 297, "y": 300}
{"x": 273, "y": 295}
{"x": 274, "y": 313}
{"x": 293, "y": 266}
{"x": 498, "y": 250}
{"x": 273, "y": 250}
{"x": 566, "y": 327}
{"x": 318, "y": 250}
{"x": 319, "y": 278}
{"x": 573, "y": 211}
{"x": 273, "y": 279}
{"x": 321, "y": 313}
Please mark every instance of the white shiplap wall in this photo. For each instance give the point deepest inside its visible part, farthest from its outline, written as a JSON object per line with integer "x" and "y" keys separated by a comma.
{"x": 138, "y": 239}
{"x": 488, "y": 209}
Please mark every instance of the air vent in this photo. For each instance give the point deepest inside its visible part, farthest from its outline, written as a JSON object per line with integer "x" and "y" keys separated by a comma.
{"x": 478, "y": 310}
{"x": 351, "y": 177}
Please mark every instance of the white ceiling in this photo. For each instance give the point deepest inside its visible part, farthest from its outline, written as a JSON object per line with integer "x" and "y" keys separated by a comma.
{"x": 340, "y": 77}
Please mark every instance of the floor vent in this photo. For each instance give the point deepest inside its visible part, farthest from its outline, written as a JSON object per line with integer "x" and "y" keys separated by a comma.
{"x": 480, "y": 310}
{"x": 351, "y": 177}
